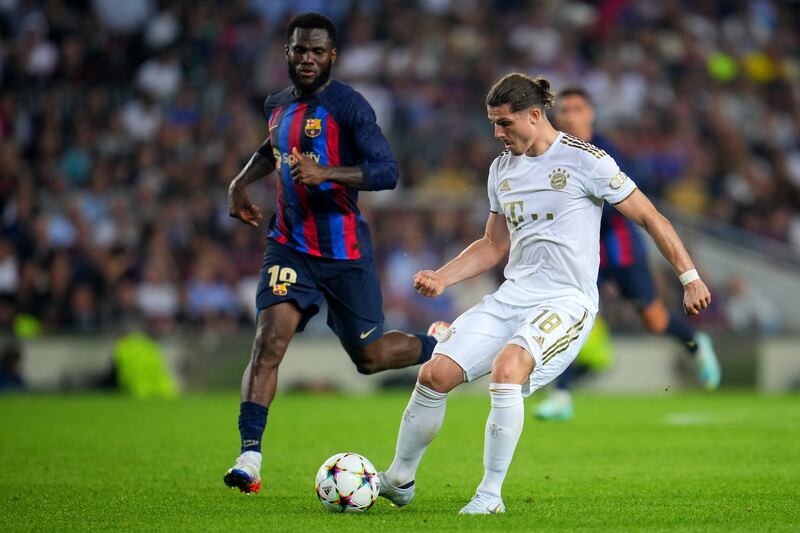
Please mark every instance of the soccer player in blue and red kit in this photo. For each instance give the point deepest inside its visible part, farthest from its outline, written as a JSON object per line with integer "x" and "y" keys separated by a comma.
{"x": 325, "y": 146}
{"x": 624, "y": 262}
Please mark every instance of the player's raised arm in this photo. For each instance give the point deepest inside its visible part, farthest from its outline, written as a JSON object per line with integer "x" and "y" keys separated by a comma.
{"x": 239, "y": 204}
{"x": 638, "y": 208}
{"x": 476, "y": 258}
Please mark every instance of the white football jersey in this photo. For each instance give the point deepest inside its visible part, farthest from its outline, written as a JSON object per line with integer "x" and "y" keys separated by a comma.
{"x": 552, "y": 204}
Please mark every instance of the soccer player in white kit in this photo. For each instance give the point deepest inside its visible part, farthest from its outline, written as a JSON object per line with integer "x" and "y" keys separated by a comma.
{"x": 546, "y": 193}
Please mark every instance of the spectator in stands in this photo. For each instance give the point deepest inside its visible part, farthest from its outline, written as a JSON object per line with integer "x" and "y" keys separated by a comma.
{"x": 118, "y": 120}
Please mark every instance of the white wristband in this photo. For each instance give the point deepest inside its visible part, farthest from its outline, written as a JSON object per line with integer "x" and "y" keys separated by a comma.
{"x": 688, "y": 277}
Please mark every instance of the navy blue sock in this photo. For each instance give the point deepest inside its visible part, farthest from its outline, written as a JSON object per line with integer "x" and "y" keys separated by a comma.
{"x": 564, "y": 381}
{"x": 428, "y": 344}
{"x": 679, "y": 328}
{"x": 252, "y": 421}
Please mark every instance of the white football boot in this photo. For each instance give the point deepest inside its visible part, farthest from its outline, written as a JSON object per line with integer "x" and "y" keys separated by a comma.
{"x": 246, "y": 473}
{"x": 398, "y": 496}
{"x": 484, "y": 504}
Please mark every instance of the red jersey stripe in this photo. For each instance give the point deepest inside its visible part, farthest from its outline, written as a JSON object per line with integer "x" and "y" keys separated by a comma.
{"x": 624, "y": 243}
{"x": 309, "y": 223}
{"x": 332, "y": 141}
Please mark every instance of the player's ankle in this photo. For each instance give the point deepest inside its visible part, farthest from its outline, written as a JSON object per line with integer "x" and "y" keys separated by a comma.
{"x": 562, "y": 395}
{"x": 252, "y": 455}
{"x": 398, "y": 479}
{"x": 488, "y": 493}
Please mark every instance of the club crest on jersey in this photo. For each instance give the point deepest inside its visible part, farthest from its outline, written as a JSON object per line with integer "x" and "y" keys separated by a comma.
{"x": 618, "y": 180}
{"x": 313, "y": 127}
{"x": 558, "y": 178}
{"x": 280, "y": 289}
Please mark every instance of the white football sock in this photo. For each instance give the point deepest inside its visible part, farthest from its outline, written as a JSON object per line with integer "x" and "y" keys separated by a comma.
{"x": 561, "y": 396}
{"x": 421, "y": 422}
{"x": 503, "y": 428}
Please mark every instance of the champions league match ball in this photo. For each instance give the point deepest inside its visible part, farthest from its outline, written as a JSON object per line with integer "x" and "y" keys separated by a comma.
{"x": 347, "y": 483}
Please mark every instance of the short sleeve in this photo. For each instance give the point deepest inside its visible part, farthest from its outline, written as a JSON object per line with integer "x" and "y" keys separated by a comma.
{"x": 608, "y": 182}
{"x": 491, "y": 185}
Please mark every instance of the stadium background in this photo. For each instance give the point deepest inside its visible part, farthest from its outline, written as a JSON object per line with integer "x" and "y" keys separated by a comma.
{"x": 123, "y": 121}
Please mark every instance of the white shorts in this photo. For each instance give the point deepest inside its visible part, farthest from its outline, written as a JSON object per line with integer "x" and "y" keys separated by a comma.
{"x": 552, "y": 332}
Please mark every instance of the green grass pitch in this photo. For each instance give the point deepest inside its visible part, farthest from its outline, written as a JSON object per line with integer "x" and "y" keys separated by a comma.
{"x": 717, "y": 462}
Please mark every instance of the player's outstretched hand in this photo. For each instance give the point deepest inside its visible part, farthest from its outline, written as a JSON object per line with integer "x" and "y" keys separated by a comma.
{"x": 305, "y": 170}
{"x": 429, "y": 283}
{"x": 240, "y": 206}
{"x": 696, "y": 297}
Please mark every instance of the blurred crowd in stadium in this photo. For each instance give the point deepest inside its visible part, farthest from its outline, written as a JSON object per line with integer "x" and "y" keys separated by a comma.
{"x": 122, "y": 123}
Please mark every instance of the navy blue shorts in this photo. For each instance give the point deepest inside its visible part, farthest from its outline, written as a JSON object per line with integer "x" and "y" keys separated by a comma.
{"x": 351, "y": 288}
{"x": 635, "y": 283}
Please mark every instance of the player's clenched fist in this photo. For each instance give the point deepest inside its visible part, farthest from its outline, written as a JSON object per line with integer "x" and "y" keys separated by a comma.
{"x": 429, "y": 283}
{"x": 305, "y": 170}
{"x": 696, "y": 297}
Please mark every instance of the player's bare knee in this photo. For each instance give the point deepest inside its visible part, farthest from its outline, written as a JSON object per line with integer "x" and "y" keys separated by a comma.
{"x": 436, "y": 375}
{"x": 656, "y": 324}
{"x": 503, "y": 373}
{"x": 655, "y": 318}
{"x": 425, "y": 375}
{"x": 368, "y": 359}
{"x": 368, "y": 365}
{"x": 512, "y": 369}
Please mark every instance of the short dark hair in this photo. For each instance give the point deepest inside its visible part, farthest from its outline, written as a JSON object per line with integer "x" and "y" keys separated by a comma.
{"x": 574, "y": 91}
{"x": 521, "y": 91}
{"x": 312, "y": 21}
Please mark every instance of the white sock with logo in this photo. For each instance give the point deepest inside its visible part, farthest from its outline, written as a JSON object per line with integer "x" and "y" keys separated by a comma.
{"x": 421, "y": 422}
{"x": 503, "y": 428}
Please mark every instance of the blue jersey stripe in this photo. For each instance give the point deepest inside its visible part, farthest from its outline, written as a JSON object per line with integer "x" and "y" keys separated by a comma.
{"x": 612, "y": 249}
{"x": 335, "y": 220}
{"x": 337, "y": 235}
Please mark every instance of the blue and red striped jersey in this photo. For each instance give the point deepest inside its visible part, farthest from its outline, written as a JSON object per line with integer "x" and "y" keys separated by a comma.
{"x": 336, "y": 127}
{"x": 621, "y": 243}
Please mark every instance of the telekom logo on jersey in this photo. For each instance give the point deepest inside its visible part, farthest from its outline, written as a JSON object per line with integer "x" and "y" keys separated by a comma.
{"x": 282, "y": 158}
{"x": 515, "y": 214}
